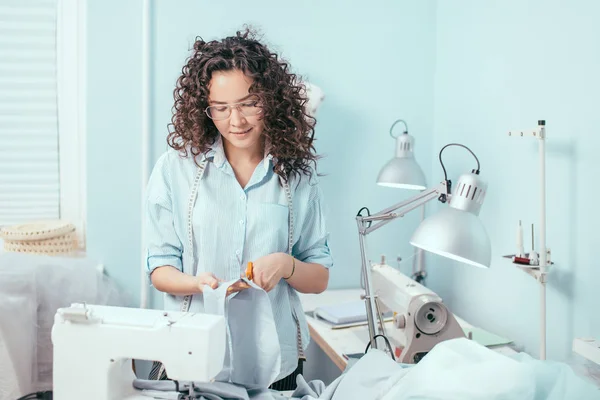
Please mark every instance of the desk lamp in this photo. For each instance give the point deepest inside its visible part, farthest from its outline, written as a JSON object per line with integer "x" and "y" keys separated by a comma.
{"x": 454, "y": 232}
{"x": 404, "y": 172}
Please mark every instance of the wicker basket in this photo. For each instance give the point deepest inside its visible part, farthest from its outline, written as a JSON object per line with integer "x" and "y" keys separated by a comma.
{"x": 44, "y": 237}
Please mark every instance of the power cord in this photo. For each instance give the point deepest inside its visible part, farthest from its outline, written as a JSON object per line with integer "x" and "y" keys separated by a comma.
{"x": 442, "y": 197}
{"x": 387, "y": 343}
{"x": 47, "y": 395}
{"x": 359, "y": 214}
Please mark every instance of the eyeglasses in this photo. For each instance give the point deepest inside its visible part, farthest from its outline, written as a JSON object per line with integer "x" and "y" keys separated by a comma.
{"x": 248, "y": 108}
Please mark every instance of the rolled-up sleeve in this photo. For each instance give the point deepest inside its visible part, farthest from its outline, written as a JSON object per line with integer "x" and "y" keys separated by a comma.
{"x": 163, "y": 245}
{"x": 312, "y": 245}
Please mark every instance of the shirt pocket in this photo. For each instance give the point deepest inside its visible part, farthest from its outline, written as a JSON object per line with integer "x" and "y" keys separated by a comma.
{"x": 267, "y": 229}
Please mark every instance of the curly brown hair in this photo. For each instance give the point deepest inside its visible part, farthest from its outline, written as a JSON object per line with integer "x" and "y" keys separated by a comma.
{"x": 288, "y": 127}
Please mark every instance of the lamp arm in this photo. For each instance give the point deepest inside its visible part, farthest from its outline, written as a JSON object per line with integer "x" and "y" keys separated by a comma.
{"x": 383, "y": 217}
{"x": 399, "y": 210}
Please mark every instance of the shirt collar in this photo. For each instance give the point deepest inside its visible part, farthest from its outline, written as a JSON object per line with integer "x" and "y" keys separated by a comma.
{"x": 216, "y": 153}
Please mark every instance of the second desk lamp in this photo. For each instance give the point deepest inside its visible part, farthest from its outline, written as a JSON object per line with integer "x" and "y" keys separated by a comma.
{"x": 403, "y": 172}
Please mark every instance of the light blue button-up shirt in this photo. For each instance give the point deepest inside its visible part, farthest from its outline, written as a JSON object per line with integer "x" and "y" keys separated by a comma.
{"x": 233, "y": 225}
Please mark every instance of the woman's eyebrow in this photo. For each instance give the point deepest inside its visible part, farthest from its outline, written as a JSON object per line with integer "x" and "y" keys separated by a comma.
{"x": 223, "y": 102}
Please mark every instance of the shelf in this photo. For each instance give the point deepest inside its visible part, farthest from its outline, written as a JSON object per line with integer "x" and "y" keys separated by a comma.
{"x": 533, "y": 271}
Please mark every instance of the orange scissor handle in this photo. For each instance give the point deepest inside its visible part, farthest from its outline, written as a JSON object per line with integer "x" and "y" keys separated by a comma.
{"x": 250, "y": 271}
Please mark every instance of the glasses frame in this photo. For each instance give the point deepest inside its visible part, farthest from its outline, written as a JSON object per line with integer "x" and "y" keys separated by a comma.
{"x": 230, "y": 107}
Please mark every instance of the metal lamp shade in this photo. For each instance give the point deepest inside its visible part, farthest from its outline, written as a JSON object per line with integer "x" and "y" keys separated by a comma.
{"x": 456, "y": 232}
{"x": 402, "y": 171}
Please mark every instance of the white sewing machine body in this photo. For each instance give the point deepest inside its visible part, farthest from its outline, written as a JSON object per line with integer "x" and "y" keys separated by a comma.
{"x": 420, "y": 316}
{"x": 94, "y": 346}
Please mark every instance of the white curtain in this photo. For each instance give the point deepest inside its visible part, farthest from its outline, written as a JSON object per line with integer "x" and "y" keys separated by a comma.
{"x": 29, "y": 153}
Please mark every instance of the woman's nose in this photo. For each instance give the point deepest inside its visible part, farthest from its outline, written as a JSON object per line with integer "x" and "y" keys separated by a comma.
{"x": 237, "y": 118}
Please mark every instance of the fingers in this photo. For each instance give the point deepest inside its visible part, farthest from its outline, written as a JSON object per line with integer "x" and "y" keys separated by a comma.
{"x": 260, "y": 281}
{"x": 211, "y": 280}
{"x": 265, "y": 283}
{"x": 237, "y": 287}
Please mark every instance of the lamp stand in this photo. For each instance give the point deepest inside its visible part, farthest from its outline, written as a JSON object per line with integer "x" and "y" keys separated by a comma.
{"x": 369, "y": 299}
{"x": 419, "y": 274}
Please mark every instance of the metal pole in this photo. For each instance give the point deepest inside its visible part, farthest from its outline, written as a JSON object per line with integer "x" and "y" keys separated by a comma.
{"x": 543, "y": 251}
{"x": 418, "y": 267}
{"x": 366, "y": 271}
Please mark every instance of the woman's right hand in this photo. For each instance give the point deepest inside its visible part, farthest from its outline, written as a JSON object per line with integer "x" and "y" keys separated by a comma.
{"x": 171, "y": 280}
{"x": 209, "y": 279}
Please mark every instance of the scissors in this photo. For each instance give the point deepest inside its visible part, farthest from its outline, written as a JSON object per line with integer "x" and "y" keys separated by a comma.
{"x": 240, "y": 284}
{"x": 250, "y": 271}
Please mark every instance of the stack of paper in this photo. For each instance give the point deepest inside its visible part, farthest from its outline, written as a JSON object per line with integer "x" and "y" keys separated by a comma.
{"x": 343, "y": 313}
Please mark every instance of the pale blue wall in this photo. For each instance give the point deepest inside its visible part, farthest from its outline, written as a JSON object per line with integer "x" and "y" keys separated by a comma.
{"x": 114, "y": 124}
{"x": 505, "y": 66}
{"x": 375, "y": 63}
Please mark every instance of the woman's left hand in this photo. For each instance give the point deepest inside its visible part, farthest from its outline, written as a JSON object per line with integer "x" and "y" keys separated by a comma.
{"x": 268, "y": 270}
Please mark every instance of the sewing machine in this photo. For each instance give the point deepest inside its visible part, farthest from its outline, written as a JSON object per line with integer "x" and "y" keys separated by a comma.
{"x": 94, "y": 347}
{"x": 419, "y": 314}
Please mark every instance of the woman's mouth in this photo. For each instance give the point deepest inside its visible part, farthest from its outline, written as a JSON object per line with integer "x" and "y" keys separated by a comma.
{"x": 241, "y": 133}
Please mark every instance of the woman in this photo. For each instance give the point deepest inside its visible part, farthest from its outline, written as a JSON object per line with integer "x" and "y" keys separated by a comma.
{"x": 239, "y": 185}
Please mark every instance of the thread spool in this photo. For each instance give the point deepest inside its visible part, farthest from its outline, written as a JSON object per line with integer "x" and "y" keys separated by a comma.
{"x": 521, "y": 260}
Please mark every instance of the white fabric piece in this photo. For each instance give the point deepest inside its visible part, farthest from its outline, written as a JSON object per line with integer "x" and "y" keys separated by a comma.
{"x": 369, "y": 378}
{"x": 463, "y": 369}
{"x": 203, "y": 391}
{"x": 557, "y": 380}
{"x": 9, "y": 380}
{"x": 454, "y": 369}
{"x": 18, "y": 326}
{"x": 250, "y": 321}
{"x": 157, "y": 394}
{"x": 32, "y": 288}
{"x": 373, "y": 372}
